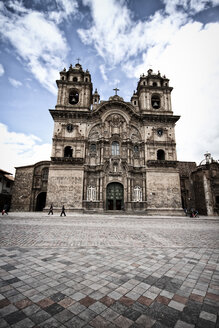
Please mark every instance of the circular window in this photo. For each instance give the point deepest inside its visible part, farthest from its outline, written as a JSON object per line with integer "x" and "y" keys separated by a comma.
{"x": 73, "y": 97}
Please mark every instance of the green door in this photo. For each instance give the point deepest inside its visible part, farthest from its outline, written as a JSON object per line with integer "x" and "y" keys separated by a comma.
{"x": 114, "y": 196}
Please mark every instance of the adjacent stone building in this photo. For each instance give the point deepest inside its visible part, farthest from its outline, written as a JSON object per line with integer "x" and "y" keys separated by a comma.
{"x": 108, "y": 155}
{"x": 6, "y": 185}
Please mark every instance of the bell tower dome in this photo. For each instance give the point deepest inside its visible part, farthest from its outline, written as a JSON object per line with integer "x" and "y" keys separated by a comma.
{"x": 154, "y": 94}
{"x": 74, "y": 89}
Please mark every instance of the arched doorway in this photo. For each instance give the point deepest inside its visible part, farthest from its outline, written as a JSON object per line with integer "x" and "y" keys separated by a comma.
{"x": 114, "y": 197}
{"x": 41, "y": 201}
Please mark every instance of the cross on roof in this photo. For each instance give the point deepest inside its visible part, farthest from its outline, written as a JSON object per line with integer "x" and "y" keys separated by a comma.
{"x": 116, "y": 89}
{"x": 78, "y": 59}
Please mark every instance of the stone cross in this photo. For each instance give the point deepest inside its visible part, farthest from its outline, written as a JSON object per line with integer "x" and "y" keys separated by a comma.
{"x": 78, "y": 59}
{"x": 116, "y": 89}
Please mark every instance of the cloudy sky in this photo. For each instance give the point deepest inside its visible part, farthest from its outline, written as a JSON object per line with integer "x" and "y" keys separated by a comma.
{"x": 117, "y": 40}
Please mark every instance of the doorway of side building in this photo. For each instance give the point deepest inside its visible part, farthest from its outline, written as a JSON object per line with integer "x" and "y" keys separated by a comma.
{"x": 41, "y": 201}
{"x": 114, "y": 197}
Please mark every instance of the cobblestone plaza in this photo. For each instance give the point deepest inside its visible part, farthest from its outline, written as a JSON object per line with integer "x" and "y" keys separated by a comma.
{"x": 108, "y": 271}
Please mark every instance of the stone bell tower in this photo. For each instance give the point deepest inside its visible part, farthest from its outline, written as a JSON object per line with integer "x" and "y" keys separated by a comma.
{"x": 162, "y": 176}
{"x": 66, "y": 173}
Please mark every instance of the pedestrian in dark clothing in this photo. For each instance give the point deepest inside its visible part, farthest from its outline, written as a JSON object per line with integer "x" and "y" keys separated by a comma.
{"x": 63, "y": 211}
{"x": 5, "y": 209}
{"x": 51, "y": 210}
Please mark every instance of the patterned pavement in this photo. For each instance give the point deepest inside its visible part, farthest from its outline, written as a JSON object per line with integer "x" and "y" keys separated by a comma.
{"x": 108, "y": 271}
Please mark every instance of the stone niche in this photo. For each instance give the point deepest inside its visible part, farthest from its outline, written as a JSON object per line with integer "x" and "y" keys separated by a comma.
{"x": 65, "y": 187}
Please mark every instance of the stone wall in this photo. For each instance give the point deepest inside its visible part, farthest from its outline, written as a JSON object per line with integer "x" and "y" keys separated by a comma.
{"x": 163, "y": 191}
{"x": 65, "y": 187}
{"x": 22, "y": 189}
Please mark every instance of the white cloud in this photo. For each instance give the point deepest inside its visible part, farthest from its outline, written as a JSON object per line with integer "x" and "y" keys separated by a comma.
{"x": 65, "y": 9}
{"x": 19, "y": 149}
{"x": 36, "y": 39}
{"x": 191, "y": 63}
{"x": 190, "y": 6}
{"x": 103, "y": 72}
{"x": 15, "y": 83}
{"x": 2, "y": 71}
{"x": 117, "y": 37}
{"x": 186, "y": 51}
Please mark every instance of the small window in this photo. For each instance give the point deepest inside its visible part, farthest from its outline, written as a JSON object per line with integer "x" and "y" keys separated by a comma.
{"x": 160, "y": 155}
{"x": 45, "y": 173}
{"x": 8, "y": 184}
{"x": 93, "y": 148}
{"x": 68, "y": 151}
{"x": 86, "y": 79}
{"x": 144, "y": 83}
{"x": 154, "y": 84}
{"x": 217, "y": 199}
{"x": 75, "y": 79}
{"x": 135, "y": 102}
{"x": 63, "y": 78}
{"x": 115, "y": 148}
{"x": 155, "y": 101}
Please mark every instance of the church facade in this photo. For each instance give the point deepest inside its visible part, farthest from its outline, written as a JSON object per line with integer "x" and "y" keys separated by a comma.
{"x": 108, "y": 155}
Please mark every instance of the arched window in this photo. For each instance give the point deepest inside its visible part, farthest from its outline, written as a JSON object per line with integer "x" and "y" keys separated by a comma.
{"x": 63, "y": 78}
{"x": 160, "y": 155}
{"x": 93, "y": 148}
{"x": 45, "y": 173}
{"x": 73, "y": 97}
{"x": 115, "y": 148}
{"x": 86, "y": 79}
{"x": 155, "y": 101}
{"x": 91, "y": 193}
{"x": 68, "y": 151}
{"x": 75, "y": 79}
{"x": 137, "y": 195}
{"x": 154, "y": 84}
{"x": 136, "y": 149}
{"x": 134, "y": 102}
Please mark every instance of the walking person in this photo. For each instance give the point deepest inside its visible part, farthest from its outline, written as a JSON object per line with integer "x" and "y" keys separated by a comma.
{"x": 51, "y": 210}
{"x": 63, "y": 211}
{"x": 5, "y": 209}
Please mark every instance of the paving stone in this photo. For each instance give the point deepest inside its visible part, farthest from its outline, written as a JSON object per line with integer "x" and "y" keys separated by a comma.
{"x": 97, "y": 307}
{"x": 87, "y": 315}
{"x": 64, "y": 316}
{"x": 176, "y": 305}
{"x": 168, "y": 282}
{"x": 87, "y": 301}
{"x": 145, "y": 321}
{"x": 54, "y": 309}
{"x": 107, "y": 300}
{"x": 40, "y": 316}
{"x": 14, "y": 317}
{"x": 132, "y": 314}
{"x": 123, "y": 322}
{"x": 76, "y": 308}
{"x": 208, "y": 316}
{"x": 182, "y": 324}
{"x": 75, "y": 322}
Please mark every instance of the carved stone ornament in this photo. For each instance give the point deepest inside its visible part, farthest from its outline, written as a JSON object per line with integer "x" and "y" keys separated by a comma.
{"x": 115, "y": 120}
